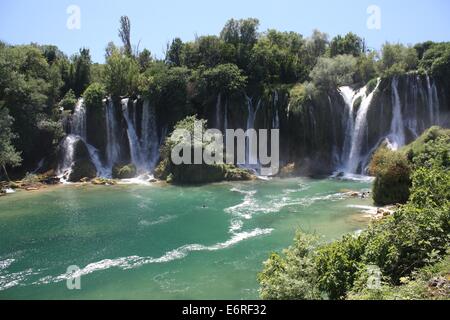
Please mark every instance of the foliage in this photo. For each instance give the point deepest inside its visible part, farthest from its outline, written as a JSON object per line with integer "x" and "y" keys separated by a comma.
{"x": 292, "y": 275}
{"x": 225, "y": 78}
{"x": 94, "y": 95}
{"x": 121, "y": 75}
{"x": 124, "y": 171}
{"x": 397, "y": 59}
{"x": 349, "y": 44}
{"x": 330, "y": 73}
{"x": 392, "y": 177}
{"x": 69, "y": 101}
{"x": 8, "y": 154}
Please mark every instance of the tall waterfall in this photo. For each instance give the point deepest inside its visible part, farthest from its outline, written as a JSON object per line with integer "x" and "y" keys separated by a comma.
{"x": 397, "y": 133}
{"x": 276, "y": 115}
{"x": 252, "y": 157}
{"x": 78, "y": 132}
{"x": 112, "y": 141}
{"x": 217, "y": 111}
{"x": 144, "y": 151}
{"x": 149, "y": 136}
{"x": 358, "y": 130}
{"x": 135, "y": 147}
{"x": 78, "y": 124}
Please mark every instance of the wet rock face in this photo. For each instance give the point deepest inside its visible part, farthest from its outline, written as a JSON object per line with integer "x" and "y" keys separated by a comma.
{"x": 82, "y": 169}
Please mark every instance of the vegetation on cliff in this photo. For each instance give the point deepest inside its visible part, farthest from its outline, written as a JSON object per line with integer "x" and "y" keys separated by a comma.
{"x": 39, "y": 84}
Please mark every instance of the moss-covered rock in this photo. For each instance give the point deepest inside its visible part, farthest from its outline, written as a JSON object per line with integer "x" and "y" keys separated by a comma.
{"x": 127, "y": 171}
{"x": 82, "y": 169}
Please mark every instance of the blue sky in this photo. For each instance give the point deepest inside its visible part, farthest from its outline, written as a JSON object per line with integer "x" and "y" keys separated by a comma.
{"x": 154, "y": 23}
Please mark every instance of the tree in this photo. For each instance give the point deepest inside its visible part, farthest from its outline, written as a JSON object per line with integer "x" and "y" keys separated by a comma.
{"x": 330, "y": 73}
{"x": 125, "y": 34}
{"x": 225, "y": 78}
{"x": 144, "y": 59}
{"x": 350, "y": 44}
{"x": 8, "y": 154}
{"x": 173, "y": 55}
{"x": 121, "y": 75}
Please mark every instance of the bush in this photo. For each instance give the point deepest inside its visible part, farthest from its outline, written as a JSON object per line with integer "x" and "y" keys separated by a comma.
{"x": 93, "y": 96}
{"x": 124, "y": 171}
{"x": 392, "y": 177}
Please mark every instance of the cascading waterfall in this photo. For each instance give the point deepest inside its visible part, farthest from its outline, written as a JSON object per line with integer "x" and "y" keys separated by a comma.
{"x": 276, "y": 116}
{"x": 78, "y": 124}
{"x": 144, "y": 151}
{"x": 135, "y": 147}
{"x": 396, "y": 136}
{"x": 354, "y": 159}
{"x": 78, "y": 132}
{"x": 149, "y": 137}
{"x": 252, "y": 159}
{"x": 112, "y": 143}
{"x": 218, "y": 103}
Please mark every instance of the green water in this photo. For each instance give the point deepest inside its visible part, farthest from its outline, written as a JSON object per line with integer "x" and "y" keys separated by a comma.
{"x": 162, "y": 242}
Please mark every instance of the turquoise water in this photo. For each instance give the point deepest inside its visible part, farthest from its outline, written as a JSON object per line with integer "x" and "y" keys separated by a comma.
{"x": 162, "y": 242}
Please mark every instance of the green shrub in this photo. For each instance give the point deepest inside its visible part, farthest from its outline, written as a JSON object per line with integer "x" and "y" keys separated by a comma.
{"x": 124, "y": 171}
{"x": 93, "y": 96}
{"x": 392, "y": 177}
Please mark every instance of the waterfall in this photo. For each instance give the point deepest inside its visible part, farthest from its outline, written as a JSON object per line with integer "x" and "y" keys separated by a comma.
{"x": 225, "y": 117}
{"x": 219, "y": 100}
{"x": 67, "y": 146}
{"x": 112, "y": 145}
{"x": 135, "y": 148}
{"x": 78, "y": 123}
{"x": 149, "y": 136}
{"x": 360, "y": 125}
{"x": 78, "y": 132}
{"x": 276, "y": 116}
{"x": 252, "y": 158}
{"x": 144, "y": 151}
{"x": 396, "y": 136}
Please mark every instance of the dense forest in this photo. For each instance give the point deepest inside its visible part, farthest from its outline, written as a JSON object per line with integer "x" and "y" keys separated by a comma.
{"x": 40, "y": 85}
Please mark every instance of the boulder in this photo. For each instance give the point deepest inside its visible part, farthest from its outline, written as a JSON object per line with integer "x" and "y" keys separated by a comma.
{"x": 82, "y": 169}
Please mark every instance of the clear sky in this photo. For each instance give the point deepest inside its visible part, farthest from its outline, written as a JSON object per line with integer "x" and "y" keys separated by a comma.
{"x": 154, "y": 23}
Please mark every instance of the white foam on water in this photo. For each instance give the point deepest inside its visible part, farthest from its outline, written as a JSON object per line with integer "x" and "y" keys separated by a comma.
{"x": 4, "y": 264}
{"x": 137, "y": 261}
{"x": 160, "y": 220}
{"x": 9, "y": 190}
{"x": 10, "y": 280}
{"x": 364, "y": 209}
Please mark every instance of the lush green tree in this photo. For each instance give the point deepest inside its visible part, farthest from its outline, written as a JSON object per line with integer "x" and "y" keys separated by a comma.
{"x": 397, "y": 59}
{"x": 8, "y": 154}
{"x": 121, "y": 75}
{"x": 329, "y": 73}
{"x": 144, "y": 60}
{"x": 174, "y": 53}
{"x": 392, "y": 177}
{"x": 225, "y": 78}
{"x": 349, "y": 44}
